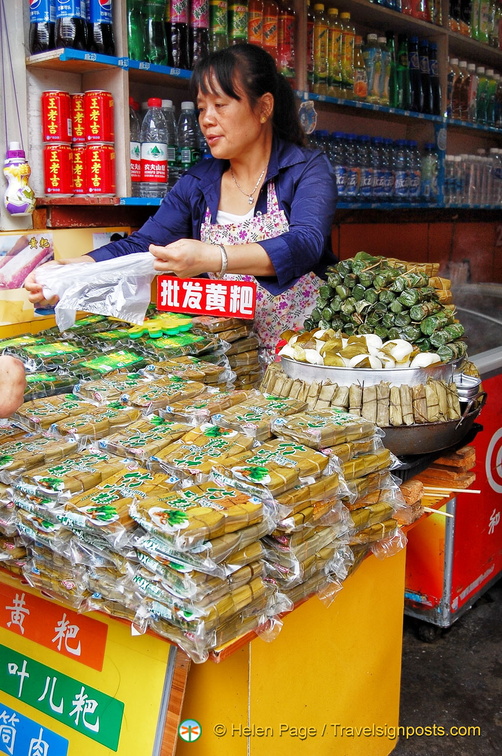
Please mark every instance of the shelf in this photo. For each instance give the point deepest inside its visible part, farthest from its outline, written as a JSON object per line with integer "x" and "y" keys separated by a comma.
{"x": 460, "y": 46}
{"x": 140, "y": 201}
{"x": 80, "y": 200}
{"x": 364, "y": 13}
{"x": 457, "y": 123}
{"x": 368, "y": 106}
{"x": 74, "y": 61}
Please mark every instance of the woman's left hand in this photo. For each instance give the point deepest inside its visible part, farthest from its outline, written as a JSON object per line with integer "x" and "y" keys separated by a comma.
{"x": 187, "y": 258}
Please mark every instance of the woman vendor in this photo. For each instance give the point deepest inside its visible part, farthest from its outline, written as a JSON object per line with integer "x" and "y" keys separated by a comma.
{"x": 261, "y": 208}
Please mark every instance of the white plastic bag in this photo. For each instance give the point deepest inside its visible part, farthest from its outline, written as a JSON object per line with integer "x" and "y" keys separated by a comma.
{"x": 119, "y": 288}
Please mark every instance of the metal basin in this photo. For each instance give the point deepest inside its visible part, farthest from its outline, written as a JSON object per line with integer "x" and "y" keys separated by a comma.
{"x": 366, "y": 376}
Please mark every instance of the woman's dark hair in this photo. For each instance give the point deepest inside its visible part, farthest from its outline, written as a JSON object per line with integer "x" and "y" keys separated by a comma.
{"x": 252, "y": 70}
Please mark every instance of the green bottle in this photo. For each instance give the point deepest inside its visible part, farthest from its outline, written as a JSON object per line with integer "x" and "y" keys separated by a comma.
{"x": 393, "y": 89}
{"x": 403, "y": 74}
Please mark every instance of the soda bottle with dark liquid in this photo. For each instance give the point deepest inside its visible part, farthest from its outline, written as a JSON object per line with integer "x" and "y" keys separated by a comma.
{"x": 100, "y": 27}
{"x": 42, "y": 23}
{"x": 179, "y": 33}
{"x": 198, "y": 30}
{"x": 71, "y": 25}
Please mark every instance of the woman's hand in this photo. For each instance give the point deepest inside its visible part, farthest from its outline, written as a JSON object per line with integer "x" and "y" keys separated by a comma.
{"x": 187, "y": 258}
{"x": 35, "y": 290}
{"x": 12, "y": 384}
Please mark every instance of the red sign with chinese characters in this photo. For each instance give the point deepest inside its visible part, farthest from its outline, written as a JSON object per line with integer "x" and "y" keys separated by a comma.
{"x": 54, "y": 626}
{"x": 207, "y": 296}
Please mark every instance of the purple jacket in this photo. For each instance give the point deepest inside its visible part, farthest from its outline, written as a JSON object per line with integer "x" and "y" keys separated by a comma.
{"x": 306, "y": 190}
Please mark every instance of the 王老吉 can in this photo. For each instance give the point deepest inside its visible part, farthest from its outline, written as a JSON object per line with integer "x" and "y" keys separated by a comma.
{"x": 56, "y": 117}
{"x": 79, "y": 161}
{"x": 98, "y": 116}
{"x": 77, "y": 118}
{"x": 58, "y": 170}
{"x": 100, "y": 169}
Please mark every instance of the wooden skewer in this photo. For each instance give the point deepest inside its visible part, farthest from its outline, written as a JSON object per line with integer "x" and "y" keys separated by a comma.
{"x": 437, "y": 511}
{"x": 450, "y": 490}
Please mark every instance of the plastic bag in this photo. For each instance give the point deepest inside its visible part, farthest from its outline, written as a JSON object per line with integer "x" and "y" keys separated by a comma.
{"x": 118, "y": 288}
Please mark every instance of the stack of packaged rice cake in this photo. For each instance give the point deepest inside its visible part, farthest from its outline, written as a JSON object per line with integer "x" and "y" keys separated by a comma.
{"x": 12, "y": 549}
{"x": 241, "y": 347}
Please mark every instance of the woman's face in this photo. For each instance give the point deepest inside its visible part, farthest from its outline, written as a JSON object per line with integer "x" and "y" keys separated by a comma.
{"x": 229, "y": 126}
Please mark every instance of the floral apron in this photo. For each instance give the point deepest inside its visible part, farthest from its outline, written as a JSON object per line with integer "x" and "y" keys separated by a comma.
{"x": 274, "y": 314}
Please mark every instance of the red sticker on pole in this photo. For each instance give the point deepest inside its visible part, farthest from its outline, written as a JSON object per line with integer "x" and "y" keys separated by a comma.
{"x": 207, "y": 296}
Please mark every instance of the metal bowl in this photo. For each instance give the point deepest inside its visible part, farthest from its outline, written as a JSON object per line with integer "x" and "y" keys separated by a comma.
{"x": 423, "y": 438}
{"x": 467, "y": 386}
{"x": 366, "y": 376}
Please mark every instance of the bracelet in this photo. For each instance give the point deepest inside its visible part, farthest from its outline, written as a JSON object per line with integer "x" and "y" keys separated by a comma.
{"x": 224, "y": 261}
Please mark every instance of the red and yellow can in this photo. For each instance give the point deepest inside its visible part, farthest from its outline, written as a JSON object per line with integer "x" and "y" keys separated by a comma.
{"x": 56, "y": 117}
{"x": 78, "y": 168}
{"x": 99, "y": 116}
{"x": 100, "y": 169}
{"x": 77, "y": 118}
{"x": 58, "y": 170}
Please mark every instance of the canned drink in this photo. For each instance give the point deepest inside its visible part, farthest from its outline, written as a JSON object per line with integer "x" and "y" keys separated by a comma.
{"x": 56, "y": 117}
{"x": 98, "y": 116}
{"x": 100, "y": 169}
{"x": 58, "y": 170}
{"x": 78, "y": 169}
{"x": 77, "y": 118}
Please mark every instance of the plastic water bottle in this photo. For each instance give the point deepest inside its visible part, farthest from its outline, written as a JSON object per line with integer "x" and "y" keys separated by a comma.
{"x": 135, "y": 147}
{"x": 172, "y": 142}
{"x": 100, "y": 27}
{"x": 154, "y": 151}
{"x": 352, "y": 167}
{"x": 482, "y": 96}
{"x": 365, "y": 169}
{"x": 373, "y": 61}
{"x": 388, "y": 168}
{"x": 378, "y": 179}
{"x": 401, "y": 173}
{"x": 414, "y": 171}
{"x": 449, "y": 180}
{"x": 491, "y": 97}
{"x": 19, "y": 198}
{"x": 42, "y": 25}
{"x": 188, "y": 152}
{"x": 337, "y": 159}
{"x": 429, "y": 169}
{"x": 496, "y": 155}
{"x": 386, "y": 70}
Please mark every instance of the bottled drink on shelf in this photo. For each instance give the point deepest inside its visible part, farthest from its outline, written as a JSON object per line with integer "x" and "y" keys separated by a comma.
{"x": 155, "y": 32}
{"x": 352, "y": 167}
{"x": 366, "y": 168}
{"x": 464, "y": 25}
{"x": 414, "y": 171}
{"x": 360, "y": 76}
{"x": 403, "y": 74}
{"x": 237, "y": 21}
{"x": 334, "y": 53}
{"x": 496, "y": 170}
{"x": 470, "y": 90}
{"x": 198, "y": 30}
{"x": 373, "y": 62}
{"x": 434, "y": 79}
{"x": 271, "y": 27}
{"x": 417, "y": 99}
{"x": 71, "y": 26}
{"x": 320, "y": 50}
{"x": 100, "y": 37}
{"x": 179, "y": 33}
{"x": 378, "y": 181}
{"x": 401, "y": 171}
{"x": 348, "y": 38}
{"x": 337, "y": 160}
{"x": 498, "y": 101}
{"x": 429, "y": 173}
{"x": 286, "y": 41}
{"x": 449, "y": 180}
{"x": 425, "y": 78}
{"x": 388, "y": 168}
{"x": 310, "y": 47}
{"x": 491, "y": 97}
{"x": 481, "y": 96}
{"x": 42, "y": 26}
{"x": 153, "y": 151}
{"x": 172, "y": 142}
{"x": 135, "y": 30}
{"x": 459, "y": 99}
{"x": 451, "y": 77}
{"x": 135, "y": 147}
{"x": 255, "y": 22}
{"x": 188, "y": 151}
{"x": 494, "y": 30}
{"x": 475, "y": 8}
{"x": 419, "y": 9}
{"x": 385, "y": 72}
{"x": 484, "y": 21}
{"x": 218, "y": 24}
{"x": 393, "y": 86}
{"x": 454, "y": 15}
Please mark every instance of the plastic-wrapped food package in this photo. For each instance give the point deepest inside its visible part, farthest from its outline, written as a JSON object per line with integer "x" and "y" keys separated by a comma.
{"x": 111, "y": 388}
{"x": 7, "y": 511}
{"x": 95, "y": 365}
{"x": 194, "y": 368}
{"x": 197, "y": 514}
{"x": 68, "y": 585}
{"x": 90, "y": 426}
{"x": 257, "y": 416}
{"x": 43, "y": 383}
{"x": 179, "y": 345}
{"x": 162, "y": 391}
{"x": 366, "y": 464}
{"x": 144, "y": 438}
{"x": 41, "y": 413}
{"x": 9, "y": 432}
{"x": 36, "y": 530}
{"x": 320, "y": 429}
{"x": 205, "y": 405}
{"x": 194, "y": 455}
{"x": 213, "y": 324}
{"x": 29, "y": 451}
{"x": 72, "y": 475}
{"x": 12, "y": 548}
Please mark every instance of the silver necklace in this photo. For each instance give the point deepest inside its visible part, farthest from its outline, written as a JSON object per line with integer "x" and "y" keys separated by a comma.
{"x": 249, "y": 195}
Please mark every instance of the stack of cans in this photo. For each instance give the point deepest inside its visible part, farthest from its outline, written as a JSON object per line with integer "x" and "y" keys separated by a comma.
{"x": 79, "y": 150}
